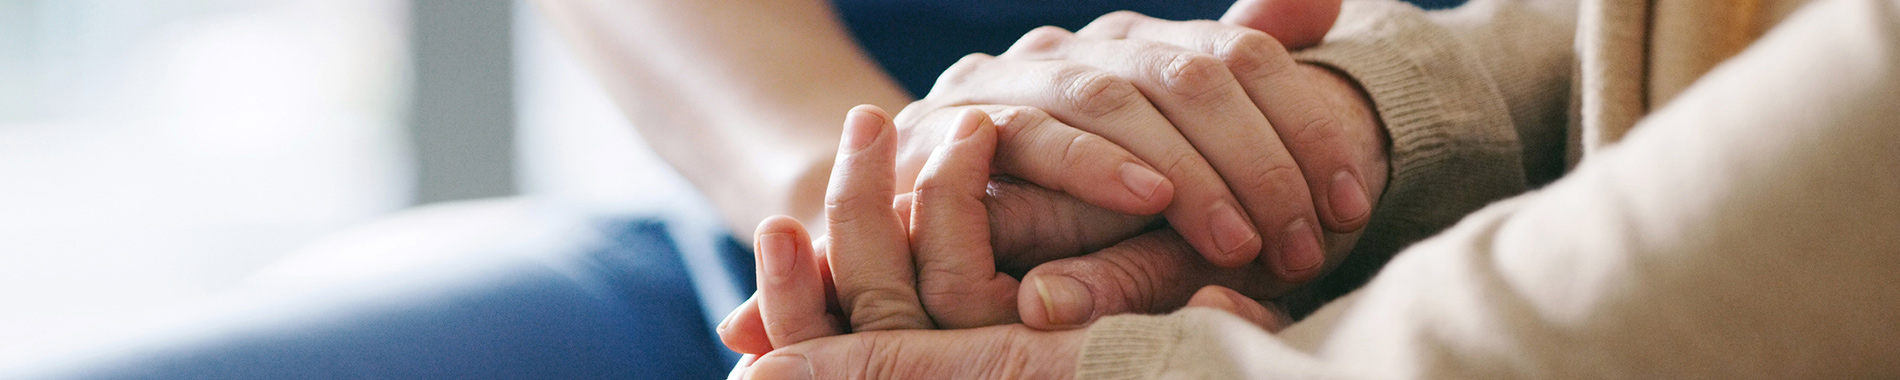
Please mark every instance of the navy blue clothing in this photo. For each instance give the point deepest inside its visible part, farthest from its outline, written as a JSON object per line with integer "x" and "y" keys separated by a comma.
{"x": 917, "y": 39}
{"x": 624, "y": 310}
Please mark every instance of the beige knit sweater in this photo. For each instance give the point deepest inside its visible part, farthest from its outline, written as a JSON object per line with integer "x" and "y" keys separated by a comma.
{"x": 1730, "y": 217}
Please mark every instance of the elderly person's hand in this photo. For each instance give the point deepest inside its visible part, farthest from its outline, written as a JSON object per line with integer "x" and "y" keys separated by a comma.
{"x": 794, "y": 301}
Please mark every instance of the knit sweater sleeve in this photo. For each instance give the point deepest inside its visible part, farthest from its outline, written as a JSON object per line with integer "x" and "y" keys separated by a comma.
{"x": 1714, "y": 241}
{"x": 1468, "y": 96}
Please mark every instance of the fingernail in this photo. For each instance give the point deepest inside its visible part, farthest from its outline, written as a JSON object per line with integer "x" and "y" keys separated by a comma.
{"x": 782, "y": 367}
{"x": 966, "y": 124}
{"x": 1299, "y": 250}
{"x": 1140, "y": 180}
{"x": 860, "y": 129}
{"x": 1231, "y": 230}
{"x": 1349, "y": 198}
{"x": 776, "y": 248}
{"x": 1065, "y": 301}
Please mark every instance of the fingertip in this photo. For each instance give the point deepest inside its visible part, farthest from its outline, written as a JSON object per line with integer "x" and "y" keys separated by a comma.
{"x": 1234, "y": 242}
{"x": 1055, "y": 302}
{"x": 1348, "y": 203}
{"x": 862, "y": 126}
{"x": 871, "y": 109}
{"x": 1295, "y": 23}
{"x": 1300, "y": 254}
{"x": 743, "y": 331}
{"x": 778, "y": 224}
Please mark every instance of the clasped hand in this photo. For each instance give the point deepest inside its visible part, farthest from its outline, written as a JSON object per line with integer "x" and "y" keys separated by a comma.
{"x": 1243, "y": 136}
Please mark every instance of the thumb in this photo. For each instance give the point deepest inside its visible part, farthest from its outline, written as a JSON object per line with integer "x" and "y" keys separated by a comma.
{"x": 1156, "y": 272}
{"x": 1296, "y": 23}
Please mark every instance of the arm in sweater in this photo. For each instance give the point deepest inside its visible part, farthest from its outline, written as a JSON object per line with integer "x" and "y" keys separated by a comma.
{"x": 1746, "y": 230}
{"x": 1474, "y": 100}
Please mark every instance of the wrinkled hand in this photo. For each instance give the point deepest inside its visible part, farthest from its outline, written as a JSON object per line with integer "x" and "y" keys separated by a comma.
{"x": 995, "y": 352}
{"x": 794, "y": 300}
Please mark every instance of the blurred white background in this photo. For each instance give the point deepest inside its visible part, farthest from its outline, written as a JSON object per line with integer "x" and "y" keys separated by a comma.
{"x": 157, "y": 152}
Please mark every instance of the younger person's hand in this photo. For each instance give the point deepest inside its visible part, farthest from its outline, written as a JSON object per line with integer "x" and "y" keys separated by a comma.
{"x": 870, "y": 247}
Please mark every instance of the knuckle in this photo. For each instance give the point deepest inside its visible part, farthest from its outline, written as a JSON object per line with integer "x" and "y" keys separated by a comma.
{"x": 1193, "y": 74}
{"x": 1042, "y": 39}
{"x": 1080, "y": 150}
{"x": 1011, "y": 120}
{"x": 1026, "y": 219}
{"x": 1317, "y": 127}
{"x": 884, "y": 309}
{"x": 1118, "y": 20}
{"x": 1094, "y": 93}
{"x": 841, "y": 199}
{"x": 1116, "y": 284}
{"x": 1180, "y": 161}
{"x": 1253, "y": 52}
{"x": 1274, "y": 176}
{"x": 793, "y": 327}
{"x": 933, "y": 185}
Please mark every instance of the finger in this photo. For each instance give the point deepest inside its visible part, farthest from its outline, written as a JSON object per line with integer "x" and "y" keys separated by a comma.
{"x": 1152, "y": 273}
{"x": 950, "y": 231}
{"x": 1031, "y": 225}
{"x": 1334, "y": 162}
{"x": 1202, "y": 99}
{"x": 1033, "y": 146}
{"x": 1009, "y": 351}
{"x": 743, "y": 331}
{"x": 1298, "y": 23}
{"x": 869, "y": 250}
{"x": 791, "y": 298}
{"x": 1111, "y": 107}
{"x": 1219, "y": 297}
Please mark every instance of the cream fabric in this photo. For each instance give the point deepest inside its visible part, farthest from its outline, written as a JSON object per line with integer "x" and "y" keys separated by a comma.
{"x": 1748, "y": 228}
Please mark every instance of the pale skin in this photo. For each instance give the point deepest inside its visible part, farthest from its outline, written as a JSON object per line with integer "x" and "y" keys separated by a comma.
{"x": 1151, "y": 272}
{"x": 677, "y": 67}
{"x": 792, "y": 305}
{"x": 680, "y": 69}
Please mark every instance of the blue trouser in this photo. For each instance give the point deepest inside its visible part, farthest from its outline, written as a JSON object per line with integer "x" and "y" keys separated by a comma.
{"x": 626, "y": 309}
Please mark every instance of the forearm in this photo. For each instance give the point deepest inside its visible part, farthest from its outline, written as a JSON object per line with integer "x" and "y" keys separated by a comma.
{"x": 745, "y": 100}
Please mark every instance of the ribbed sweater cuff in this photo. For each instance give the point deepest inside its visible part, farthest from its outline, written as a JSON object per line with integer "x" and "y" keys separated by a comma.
{"x": 1127, "y": 347}
{"x": 1453, "y": 145}
{"x": 1188, "y": 344}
